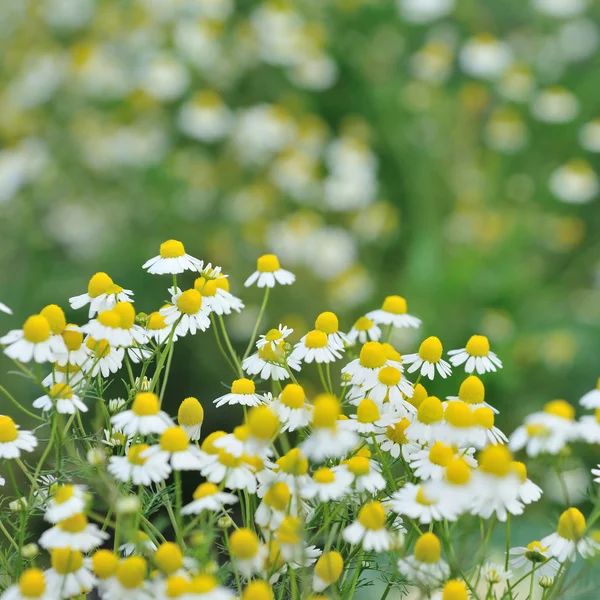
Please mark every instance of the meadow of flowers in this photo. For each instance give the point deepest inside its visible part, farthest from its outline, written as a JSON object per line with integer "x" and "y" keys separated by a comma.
{"x": 369, "y": 487}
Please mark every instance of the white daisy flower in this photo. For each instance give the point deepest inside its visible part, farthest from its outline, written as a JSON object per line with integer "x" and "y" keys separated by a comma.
{"x": 293, "y": 549}
{"x": 421, "y": 502}
{"x": 74, "y": 532}
{"x": 494, "y": 573}
{"x": 528, "y": 491}
{"x": 328, "y": 485}
{"x": 476, "y": 355}
{"x": 427, "y": 424}
{"x": 31, "y": 585}
{"x": 190, "y": 417}
{"x": 555, "y": 105}
{"x": 392, "y": 385}
{"x": 129, "y": 580}
{"x": 366, "y": 474}
{"x": 292, "y": 408}
{"x": 116, "y": 439}
{"x": 208, "y": 497}
{"x": 246, "y": 551}
{"x": 107, "y": 326}
{"x": 364, "y": 330}
{"x": 139, "y": 468}
{"x": 460, "y": 427}
{"x": 364, "y": 370}
{"x": 157, "y": 329}
{"x": 216, "y": 295}
{"x": 272, "y": 339}
{"x": 425, "y": 566}
{"x": 65, "y": 501}
{"x": 455, "y": 488}
{"x": 328, "y": 323}
{"x": 273, "y": 509}
{"x": 395, "y": 441}
{"x": 35, "y": 341}
{"x": 102, "y": 294}
{"x": 270, "y": 364}
{"x": 243, "y": 391}
{"x": 237, "y": 473}
{"x": 472, "y": 392}
{"x": 484, "y": 419}
{"x": 328, "y": 570}
{"x": 485, "y": 57}
{"x": 561, "y": 9}
{"x": 269, "y": 272}
{"x": 596, "y": 472}
{"x": 575, "y": 182}
{"x": 13, "y": 441}
{"x": 424, "y": 11}
{"x": 205, "y": 117}
{"x": 394, "y": 312}
{"x": 144, "y": 417}
{"x": 369, "y": 529}
{"x": 531, "y": 556}
{"x": 369, "y": 419}
{"x": 206, "y": 587}
{"x": 75, "y": 348}
{"x": 102, "y": 357}
{"x": 61, "y": 397}
{"x": 139, "y": 543}
{"x": 291, "y": 468}
{"x": 591, "y": 400}
{"x": 72, "y": 375}
{"x": 428, "y": 359}
{"x": 569, "y": 538}
{"x": 175, "y": 447}
{"x": 315, "y": 346}
{"x": 431, "y": 462}
{"x": 172, "y": 259}
{"x": 187, "y": 312}
{"x": 589, "y": 136}
{"x": 68, "y": 577}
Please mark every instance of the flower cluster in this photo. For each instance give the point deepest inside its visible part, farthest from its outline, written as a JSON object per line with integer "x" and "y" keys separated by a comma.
{"x": 310, "y": 496}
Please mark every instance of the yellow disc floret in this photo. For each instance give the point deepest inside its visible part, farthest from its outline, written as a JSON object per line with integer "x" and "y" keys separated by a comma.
{"x": 258, "y": 590}
{"x": 495, "y": 460}
{"x": 326, "y": 410}
{"x": 146, "y": 404}
{"x": 571, "y": 525}
{"x": 278, "y": 496}
{"x": 419, "y": 394}
{"x": 190, "y": 302}
{"x": 134, "y": 454}
{"x": 243, "y": 544}
{"x": 267, "y": 263}
{"x": 36, "y": 329}
{"x": 293, "y": 395}
{"x": 202, "y": 584}
{"x": 327, "y": 322}
{"x": 208, "y": 445}
{"x": 520, "y": 470}
{"x": 243, "y": 386}
{"x": 63, "y": 493}
{"x": 172, "y": 249}
{"x": 156, "y": 322}
{"x": 315, "y": 339}
{"x": 176, "y": 586}
{"x": 293, "y": 463}
{"x": 430, "y": 411}
{"x": 204, "y": 490}
{"x": 168, "y": 557}
{"x": 262, "y": 422}
{"x": 478, "y": 345}
{"x": 389, "y": 376}
{"x": 74, "y": 524}
{"x": 8, "y": 430}
{"x": 454, "y": 589}
{"x": 324, "y": 475}
{"x": 174, "y": 439}
{"x": 441, "y": 454}
{"x": 104, "y": 563}
{"x": 471, "y": 390}
{"x": 428, "y": 548}
{"x": 60, "y": 391}
{"x": 397, "y": 432}
{"x": 458, "y": 414}
{"x": 367, "y": 411}
{"x": 484, "y": 417}
{"x": 358, "y": 466}
{"x": 395, "y": 305}
{"x": 65, "y": 560}
{"x": 72, "y": 338}
{"x": 109, "y": 318}
{"x": 329, "y": 566}
{"x": 431, "y": 349}
{"x": 289, "y": 531}
{"x": 458, "y": 472}
{"x": 56, "y": 317}
{"x": 560, "y": 408}
{"x": 132, "y": 571}
{"x": 32, "y": 583}
{"x": 372, "y": 355}
{"x": 372, "y": 516}
{"x": 99, "y": 284}
{"x": 126, "y": 311}
{"x": 363, "y": 324}
{"x": 190, "y": 412}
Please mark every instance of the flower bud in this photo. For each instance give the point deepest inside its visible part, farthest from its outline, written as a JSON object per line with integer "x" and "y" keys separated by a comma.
{"x": 96, "y": 456}
{"x": 224, "y": 522}
{"x": 18, "y": 505}
{"x": 128, "y": 505}
{"x": 30, "y": 550}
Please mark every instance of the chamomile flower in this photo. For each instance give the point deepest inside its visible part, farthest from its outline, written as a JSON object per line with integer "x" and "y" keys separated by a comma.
{"x": 138, "y": 543}
{"x": 67, "y": 575}
{"x": 291, "y": 468}
{"x": 292, "y": 547}
{"x": 369, "y": 530}
{"x": 31, "y": 585}
{"x": 268, "y": 273}
{"x": 206, "y": 587}
{"x": 395, "y": 441}
{"x": 426, "y": 565}
{"x": 364, "y": 370}
{"x": 394, "y": 312}
{"x": 62, "y": 398}
{"x": 107, "y": 326}
{"x": 139, "y": 468}
{"x": 102, "y": 357}
{"x": 369, "y": 418}
{"x": 102, "y": 294}
{"x": 485, "y": 57}
{"x": 328, "y": 323}
{"x": 270, "y": 364}
{"x": 292, "y": 408}
{"x": 272, "y": 510}
{"x": 74, "y": 532}
{"x": 366, "y": 473}
{"x": 65, "y": 501}
{"x": 534, "y": 556}
{"x": 423, "y": 503}
{"x": 273, "y": 338}
{"x": 328, "y": 569}
{"x": 172, "y": 259}
{"x": 555, "y": 105}
{"x": 243, "y": 391}
{"x": 570, "y": 538}
{"x": 315, "y": 346}
{"x": 13, "y": 441}
{"x": 455, "y": 488}
{"x": 187, "y": 312}
{"x": 528, "y": 491}
{"x": 431, "y": 462}
{"x": 237, "y": 473}
{"x": 158, "y": 330}
{"x": 484, "y": 419}
{"x": 591, "y": 400}
{"x": 35, "y": 341}
{"x": 476, "y": 355}
{"x": 428, "y": 359}
{"x": 393, "y": 387}
{"x": 190, "y": 417}
{"x": 208, "y": 497}
{"x": 246, "y": 551}
{"x": 472, "y": 392}
{"x": 494, "y": 573}
{"x": 75, "y": 348}
{"x": 327, "y": 439}
{"x": 216, "y": 295}
{"x": 575, "y": 182}
{"x": 364, "y": 330}
{"x": 175, "y": 447}
{"x": 129, "y": 580}
{"x": 460, "y": 427}
{"x": 328, "y": 485}
{"x": 427, "y": 424}
{"x": 144, "y": 417}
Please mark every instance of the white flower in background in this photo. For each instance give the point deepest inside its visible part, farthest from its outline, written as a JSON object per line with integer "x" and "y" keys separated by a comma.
{"x": 578, "y": 40}
{"x": 589, "y": 136}
{"x": 75, "y": 532}
{"x": 138, "y": 468}
{"x": 426, "y": 565}
{"x": 591, "y": 400}
{"x": 30, "y": 585}
{"x": 484, "y": 56}
{"x": 561, "y": 9}
{"x": 269, "y": 273}
{"x": 575, "y": 182}
{"x": 13, "y": 441}
{"x": 330, "y": 252}
{"x": 531, "y": 556}
{"x": 517, "y": 83}
{"x": 589, "y": 427}
{"x": 164, "y": 77}
{"x": 570, "y": 538}
{"x": 65, "y": 501}
{"x": 200, "y": 42}
{"x": 208, "y": 497}
{"x": 363, "y": 330}
{"x": 37, "y": 82}
{"x": 68, "y": 573}
{"x": 68, "y": 15}
{"x": 20, "y": 165}
{"x": 205, "y": 117}
{"x": 328, "y": 485}
{"x": 369, "y": 530}
{"x": 433, "y": 62}
{"x": 555, "y": 105}
{"x": 505, "y": 131}
{"x": 295, "y": 172}
{"x": 314, "y": 71}
{"x": 424, "y": 11}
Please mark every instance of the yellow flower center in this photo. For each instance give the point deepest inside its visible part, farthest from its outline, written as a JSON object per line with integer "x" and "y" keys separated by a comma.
{"x": 74, "y": 524}
{"x": 293, "y": 395}
{"x": 454, "y": 590}
{"x": 571, "y": 525}
{"x": 243, "y": 544}
{"x": 126, "y": 311}
{"x": 172, "y": 249}
{"x": 208, "y": 445}
{"x": 597, "y": 415}
{"x": 228, "y": 460}
{"x": 56, "y": 318}
{"x": 267, "y": 263}
{"x": 372, "y": 355}
{"x": 289, "y": 531}
{"x": 258, "y": 590}
{"x": 418, "y": 396}
{"x": 372, "y": 516}
{"x": 263, "y": 423}
{"x": 105, "y": 563}
{"x": 422, "y": 499}
{"x": 484, "y": 417}
{"x": 174, "y": 439}
{"x": 65, "y": 560}
{"x": 520, "y": 470}
{"x": 273, "y": 335}
{"x": 273, "y": 355}
{"x": 133, "y": 455}
{"x": 190, "y": 412}
{"x": 441, "y": 454}
{"x": 278, "y": 496}
{"x": 8, "y": 430}
{"x": 293, "y": 463}
{"x": 536, "y": 430}
{"x": 72, "y": 339}
{"x": 36, "y": 329}
{"x": 243, "y": 386}
{"x": 204, "y": 490}
{"x": 113, "y": 288}
{"x": 428, "y": 548}
{"x": 431, "y": 350}
{"x": 495, "y": 460}
{"x": 131, "y": 572}
{"x": 560, "y": 408}
{"x": 397, "y": 432}
{"x": 156, "y": 322}
{"x": 478, "y": 345}
{"x": 329, "y": 566}
{"x": 430, "y": 410}
{"x": 201, "y": 584}
{"x": 358, "y": 466}
{"x": 536, "y": 552}
{"x": 363, "y": 324}
{"x": 256, "y": 463}
{"x": 99, "y": 284}
{"x": 471, "y": 390}
{"x": 176, "y": 587}
{"x": 101, "y": 348}
{"x": 63, "y": 493}
{"x": 207, "y": 287}
{"x": 189, "y": 302}
{"x": 326, "y": 410}
{"x": 316, "y": 339}
{"x": 32, "y": 583}
{"x": 109, "y": 318}
{"x": 367, "y": 411}
{"x": 168, "y": 557}
{"x": 146, "y": 404}
{"x": 458, "y": 472}
{"x": 459, "y": 414}
{"x": 327, "y": 322}
{"x": 241, "y": 432}
{"x": 389, "y": 376}
{"x": 395, "y": 305}
{"x": 324, "y": 475}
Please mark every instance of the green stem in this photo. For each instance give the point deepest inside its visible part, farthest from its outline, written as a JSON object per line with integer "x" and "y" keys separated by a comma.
{"x": 21, "y": 408}
{"x": 234, "y": 356}
{"x": 258, "y": 321}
